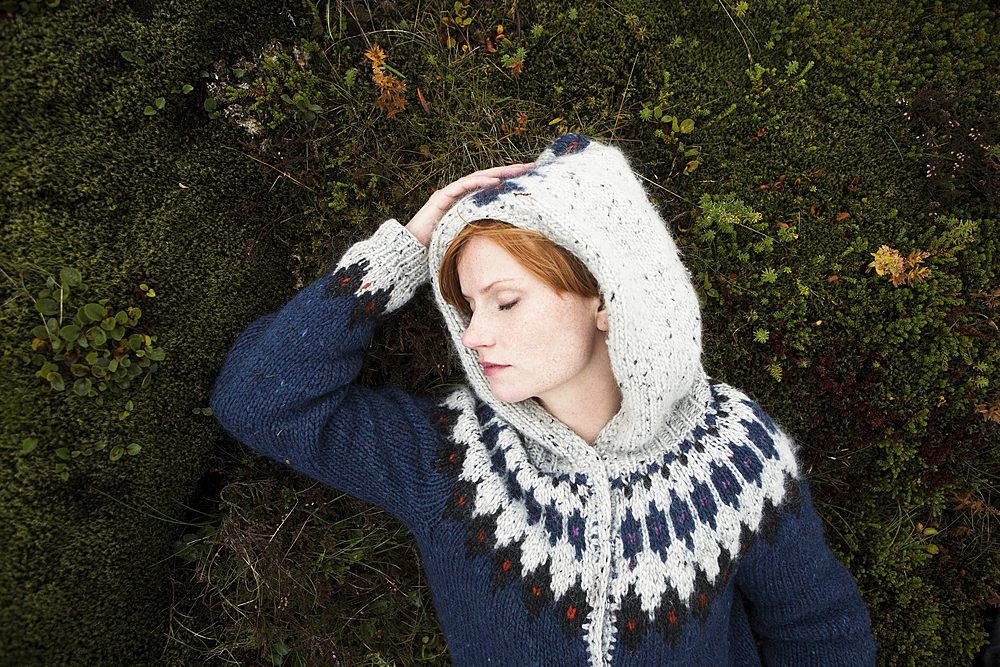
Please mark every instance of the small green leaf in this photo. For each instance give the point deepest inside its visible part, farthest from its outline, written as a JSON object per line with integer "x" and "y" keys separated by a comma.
{"x": 47, "y": 307}
{"x": 187, "y": 88}
{"x": 210, "y": 104}
{"x": 28, "y": 445}
{"x": 127, "y": 55}
{"x": 129, "y": 406}
{"x": 94, "y": 311}
{"x": 135, "y": 341}
{"x": 116, "y": 452}
{"x": 159, "y": 102}
{"x": 63, "y": 453}
{"x": 82, "y": 386}
{"x": 70, "y": 277}
{"x": 56, "y": 380}
{"x": 149, "y": 111}
{"x": 79, "y": 370}
{"x": 133, "y": 449}
{"x": 237, "y": 72}
{"x": 92, "y": 358}
{"x": 70, "y": 332}
{"x": 687, "y": 126}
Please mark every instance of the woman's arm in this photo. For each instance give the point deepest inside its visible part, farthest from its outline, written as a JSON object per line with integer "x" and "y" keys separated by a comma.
{"x": 286, "y": 388}
{"x": 803, "y": 602}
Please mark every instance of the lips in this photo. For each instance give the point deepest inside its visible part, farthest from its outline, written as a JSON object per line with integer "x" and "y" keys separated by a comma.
{"x": 491, "y": 368}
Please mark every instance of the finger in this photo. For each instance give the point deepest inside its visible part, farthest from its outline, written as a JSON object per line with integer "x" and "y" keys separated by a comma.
{"x": 506, "y": 170}
{"x": 483, "y": 178}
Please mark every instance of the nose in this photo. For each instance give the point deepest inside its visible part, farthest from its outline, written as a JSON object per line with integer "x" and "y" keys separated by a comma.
{"x": 476, "y": 334}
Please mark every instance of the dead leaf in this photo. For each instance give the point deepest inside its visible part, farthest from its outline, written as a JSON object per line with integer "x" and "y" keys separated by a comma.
{"x": 423, "y": 102}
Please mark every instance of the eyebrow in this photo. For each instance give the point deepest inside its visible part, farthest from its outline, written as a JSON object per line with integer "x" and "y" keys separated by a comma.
{"x": 491, "y": 286}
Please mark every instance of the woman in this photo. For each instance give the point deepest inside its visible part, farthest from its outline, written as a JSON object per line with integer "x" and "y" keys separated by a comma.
{"x": 592, "y": 497}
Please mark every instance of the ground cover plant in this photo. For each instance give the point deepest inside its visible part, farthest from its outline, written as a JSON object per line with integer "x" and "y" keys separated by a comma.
{"x": 830, "y": 172}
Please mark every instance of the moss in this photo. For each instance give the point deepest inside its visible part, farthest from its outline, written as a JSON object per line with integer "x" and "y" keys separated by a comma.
{"x": 94, "y": 184}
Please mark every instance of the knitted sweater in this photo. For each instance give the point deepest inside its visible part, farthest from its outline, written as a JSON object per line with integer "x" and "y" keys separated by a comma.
{"x": 685, "y": 530}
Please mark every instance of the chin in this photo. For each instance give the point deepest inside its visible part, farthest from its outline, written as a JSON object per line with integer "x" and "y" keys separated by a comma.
{"x": 507, "y": 394}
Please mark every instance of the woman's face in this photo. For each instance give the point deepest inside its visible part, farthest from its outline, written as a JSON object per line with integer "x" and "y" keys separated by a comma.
{"x": 532, "y": 341}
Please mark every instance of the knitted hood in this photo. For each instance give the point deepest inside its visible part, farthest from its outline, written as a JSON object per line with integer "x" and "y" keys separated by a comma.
{"x": 584, "y": 197}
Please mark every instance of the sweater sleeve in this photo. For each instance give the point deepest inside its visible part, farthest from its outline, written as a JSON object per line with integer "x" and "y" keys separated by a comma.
{"x": 286, "y": 387}
{"x": 803, "y": 602}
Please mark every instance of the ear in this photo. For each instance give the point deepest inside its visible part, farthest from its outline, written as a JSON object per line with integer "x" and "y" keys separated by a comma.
{"x": 602, "y": 317}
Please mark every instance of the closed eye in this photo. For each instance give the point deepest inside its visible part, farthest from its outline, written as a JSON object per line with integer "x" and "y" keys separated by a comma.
{"x": 507, "y": 306}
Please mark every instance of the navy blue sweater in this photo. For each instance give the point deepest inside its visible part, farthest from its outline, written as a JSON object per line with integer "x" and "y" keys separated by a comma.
{"x": 675, "y": 552}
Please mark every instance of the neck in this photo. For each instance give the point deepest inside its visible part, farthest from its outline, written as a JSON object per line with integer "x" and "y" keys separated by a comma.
{"x": 588, "y": 407}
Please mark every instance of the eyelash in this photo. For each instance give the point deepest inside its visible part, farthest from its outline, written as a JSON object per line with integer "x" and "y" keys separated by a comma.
{"x": 507, "y": 306}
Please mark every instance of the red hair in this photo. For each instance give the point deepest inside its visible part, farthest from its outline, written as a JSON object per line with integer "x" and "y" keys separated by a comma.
{"x": 552, "y": 264}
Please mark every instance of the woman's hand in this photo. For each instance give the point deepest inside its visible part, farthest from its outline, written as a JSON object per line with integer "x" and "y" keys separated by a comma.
{"x": 423, "y": 223}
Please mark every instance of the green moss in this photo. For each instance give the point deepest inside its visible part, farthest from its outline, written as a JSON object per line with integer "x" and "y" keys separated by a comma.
{"x": 94, "y": 184}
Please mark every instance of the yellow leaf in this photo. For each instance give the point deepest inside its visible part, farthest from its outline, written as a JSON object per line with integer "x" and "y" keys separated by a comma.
{"x": 377, "y": 56}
